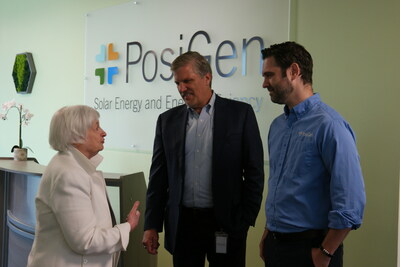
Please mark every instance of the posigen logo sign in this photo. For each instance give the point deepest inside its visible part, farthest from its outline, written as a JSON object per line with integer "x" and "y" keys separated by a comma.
{"x": 105, "y": 55}
{"x": 130, "y": 47}
{"x": 217, "y": 58}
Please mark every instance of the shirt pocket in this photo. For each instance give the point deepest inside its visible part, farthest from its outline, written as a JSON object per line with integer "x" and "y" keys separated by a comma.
{"x": 301, "y": 153}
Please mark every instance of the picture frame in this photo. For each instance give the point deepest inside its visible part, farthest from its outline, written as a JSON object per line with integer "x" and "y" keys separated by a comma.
{"x": 24, "y": 73}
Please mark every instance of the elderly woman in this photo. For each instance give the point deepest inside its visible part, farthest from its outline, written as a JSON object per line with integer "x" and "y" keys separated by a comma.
{"x": 74, "y": 225}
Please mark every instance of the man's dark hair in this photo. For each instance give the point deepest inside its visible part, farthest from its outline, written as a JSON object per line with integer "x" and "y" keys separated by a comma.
{"x": 287, "y": 53}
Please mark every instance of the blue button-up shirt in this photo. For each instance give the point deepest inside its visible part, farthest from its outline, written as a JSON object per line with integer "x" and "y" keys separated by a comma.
{"x": 315, "y": 176}
{"x": 197, "y": 191}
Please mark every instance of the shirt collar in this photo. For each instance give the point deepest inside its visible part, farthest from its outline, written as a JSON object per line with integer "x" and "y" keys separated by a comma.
{"x": 89, "y": 165}
{"x": 302, "y": 108}
{"x": 209, "y": 107}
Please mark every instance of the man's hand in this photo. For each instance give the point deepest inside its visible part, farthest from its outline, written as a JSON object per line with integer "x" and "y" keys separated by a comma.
{"x": 150, "y": 241}
{"x": 319, "y": 259}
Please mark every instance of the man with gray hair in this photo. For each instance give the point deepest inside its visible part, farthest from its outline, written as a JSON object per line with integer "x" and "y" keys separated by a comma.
{"x": 207, "y": 173}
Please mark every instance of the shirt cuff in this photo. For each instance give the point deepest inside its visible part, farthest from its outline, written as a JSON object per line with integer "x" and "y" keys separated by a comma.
{"x": 344, "y": 219}
{"x": 124, "y": 229}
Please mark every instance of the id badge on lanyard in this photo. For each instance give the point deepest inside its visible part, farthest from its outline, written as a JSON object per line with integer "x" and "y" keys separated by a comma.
{"x": 221, "y": 242}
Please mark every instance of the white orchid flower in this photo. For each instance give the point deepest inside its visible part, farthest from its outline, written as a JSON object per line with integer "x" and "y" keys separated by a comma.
{"x": 9, "y": 104}
{"x": 28, "y": 115}
{"x": 24, "y": 118}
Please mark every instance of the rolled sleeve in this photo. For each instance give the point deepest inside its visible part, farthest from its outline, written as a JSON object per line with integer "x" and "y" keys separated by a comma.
{"x": 347, "y": 184}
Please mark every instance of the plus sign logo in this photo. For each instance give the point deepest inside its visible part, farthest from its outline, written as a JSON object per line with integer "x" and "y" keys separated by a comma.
{"x": 106, "y": 55}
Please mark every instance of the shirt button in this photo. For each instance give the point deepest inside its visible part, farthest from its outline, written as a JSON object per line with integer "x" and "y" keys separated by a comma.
{"x": 85, "y": 261}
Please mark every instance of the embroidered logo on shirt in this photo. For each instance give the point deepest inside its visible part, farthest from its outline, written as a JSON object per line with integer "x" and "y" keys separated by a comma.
{"x": 305, "y": 134}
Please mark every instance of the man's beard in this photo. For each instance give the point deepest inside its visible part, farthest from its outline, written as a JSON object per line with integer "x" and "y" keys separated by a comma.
{"x": 279, "y": 95}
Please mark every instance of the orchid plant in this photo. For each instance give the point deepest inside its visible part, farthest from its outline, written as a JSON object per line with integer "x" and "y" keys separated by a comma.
{"x": 24, "y": 119}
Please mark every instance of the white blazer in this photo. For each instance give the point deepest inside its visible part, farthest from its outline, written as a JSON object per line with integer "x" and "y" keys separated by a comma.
{"x": 73, "y": 220}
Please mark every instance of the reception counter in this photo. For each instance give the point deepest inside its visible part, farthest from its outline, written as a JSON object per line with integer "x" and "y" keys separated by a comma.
{"x": 19, "y": 182}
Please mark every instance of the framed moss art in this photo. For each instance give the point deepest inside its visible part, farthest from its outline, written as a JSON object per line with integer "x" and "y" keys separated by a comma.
{"x": 24, "y": 73}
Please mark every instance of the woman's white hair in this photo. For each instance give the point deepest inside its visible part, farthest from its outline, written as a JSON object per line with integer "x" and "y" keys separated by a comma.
{"x": 69, "y": 126}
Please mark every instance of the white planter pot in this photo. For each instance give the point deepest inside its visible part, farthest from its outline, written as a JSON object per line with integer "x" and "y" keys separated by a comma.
{"x": 20, "y": 154}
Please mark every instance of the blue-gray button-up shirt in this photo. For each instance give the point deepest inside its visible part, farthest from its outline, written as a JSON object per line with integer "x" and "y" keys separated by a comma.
{"x": 315, "y": 177}
{"x": 198, "y": 157}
